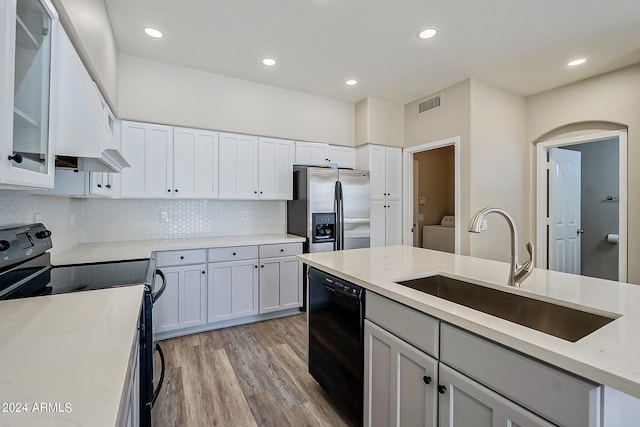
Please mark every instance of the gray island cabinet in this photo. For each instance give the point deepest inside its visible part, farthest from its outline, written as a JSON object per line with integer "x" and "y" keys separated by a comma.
{"x": 420, "y": 371}
{"x": 430, "y": 361}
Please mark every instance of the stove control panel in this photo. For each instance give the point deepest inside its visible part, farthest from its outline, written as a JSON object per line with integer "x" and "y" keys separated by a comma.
{"x": 23, "y": 242}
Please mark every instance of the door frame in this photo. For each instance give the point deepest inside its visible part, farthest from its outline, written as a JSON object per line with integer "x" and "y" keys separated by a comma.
{"x": 407, "y": 179}
{"x": 541, "y": 193}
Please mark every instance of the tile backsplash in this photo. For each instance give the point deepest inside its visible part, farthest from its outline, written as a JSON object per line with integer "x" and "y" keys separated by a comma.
{"x": 19, "y": 207}
{"x": 112, "y": 219}
{"x": 97, "y": 220}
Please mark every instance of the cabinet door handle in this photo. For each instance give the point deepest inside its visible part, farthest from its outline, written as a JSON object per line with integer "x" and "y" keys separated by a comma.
{"x": 108, "y": 186}
{"x": 181, "y": 257}
{"x": 255, "y": 266}
{"x": 176, "y": 190}
{"x": 99, "y": 185}
{"x": 169, "y": 190}
{"x": 204, "y": 272}
{"x": 426, "y": 379}
{"x": 262, "y": 266}
{"x": 442, "y": 389}
{"x": 17, "y": 157}
{"x": 234, "y": 254}
{"x": 261, "y": 192}
{"x": 281, "y": 250}
{"x": 255, "y": 192}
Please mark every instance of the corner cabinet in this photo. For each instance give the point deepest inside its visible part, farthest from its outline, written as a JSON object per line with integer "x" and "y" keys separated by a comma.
{"x": 28, "y": 37}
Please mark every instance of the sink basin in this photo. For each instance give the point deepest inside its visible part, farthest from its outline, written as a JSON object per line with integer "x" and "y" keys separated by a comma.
{"x": 557, "y": 320}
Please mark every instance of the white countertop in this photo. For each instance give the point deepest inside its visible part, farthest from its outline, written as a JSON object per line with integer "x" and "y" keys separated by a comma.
{"x": 84, "y": 253}
{"x": 71, "y": 349}
{"x": 609, "y": 356}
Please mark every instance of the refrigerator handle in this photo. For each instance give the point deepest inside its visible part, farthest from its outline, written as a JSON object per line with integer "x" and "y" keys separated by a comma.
{"x": 338, "y": 243}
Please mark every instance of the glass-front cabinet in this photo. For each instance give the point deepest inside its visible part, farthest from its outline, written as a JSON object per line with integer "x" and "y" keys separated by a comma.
{"x": 27, "y": 62}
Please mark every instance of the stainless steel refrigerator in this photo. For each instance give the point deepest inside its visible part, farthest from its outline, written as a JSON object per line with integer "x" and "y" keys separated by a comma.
{"x": 330, "y": 207}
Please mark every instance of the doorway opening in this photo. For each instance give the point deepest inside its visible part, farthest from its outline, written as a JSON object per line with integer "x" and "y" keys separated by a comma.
{"x": 582, "y": 205}
{"x": 432, "y": 195}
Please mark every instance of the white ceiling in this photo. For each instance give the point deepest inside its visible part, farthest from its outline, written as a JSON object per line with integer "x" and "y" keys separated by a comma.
{"x": 519, "y": 45}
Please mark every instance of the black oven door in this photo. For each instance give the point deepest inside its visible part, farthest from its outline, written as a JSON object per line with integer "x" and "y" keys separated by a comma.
{"x": 148, "y": 347}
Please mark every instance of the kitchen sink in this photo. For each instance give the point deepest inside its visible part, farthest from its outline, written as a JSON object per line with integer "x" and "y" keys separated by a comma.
{"x": 557, "y": 320}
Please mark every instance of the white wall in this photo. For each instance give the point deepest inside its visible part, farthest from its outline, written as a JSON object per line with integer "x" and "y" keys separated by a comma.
{"x": 497, "y": 139}
{"x": 379, "y": 122}
{"x": 609, "y": 101}
{"x": 18, "y": 207}
{"x": 156, "y": 92}
{"x": 452, "y": 118}
{"x": 490, "y": 123}
{"x": 87, "y": 24}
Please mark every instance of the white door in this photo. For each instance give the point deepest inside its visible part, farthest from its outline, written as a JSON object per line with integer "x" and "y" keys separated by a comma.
{"x": 377, "y": 169}
{"x": 311, "y": 153}
{"x": 393, "y": 173}
{"x": 564, "y": 210}
{"x": 238, "y": 166}
{"x": 393, "y": 222}
{"x": 378, "y": 227}
{"x": 275, "y": 169}
{"x": 195, "y": 163}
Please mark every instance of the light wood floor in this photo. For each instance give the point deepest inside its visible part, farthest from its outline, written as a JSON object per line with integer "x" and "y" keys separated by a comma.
{"x": 248, "y": 375}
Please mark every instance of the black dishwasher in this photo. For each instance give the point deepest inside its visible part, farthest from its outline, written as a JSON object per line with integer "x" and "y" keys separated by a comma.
{"x": 336, "y": 340}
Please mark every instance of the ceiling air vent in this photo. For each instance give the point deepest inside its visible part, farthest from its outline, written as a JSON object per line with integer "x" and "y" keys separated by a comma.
{"x": 428, "y": 104}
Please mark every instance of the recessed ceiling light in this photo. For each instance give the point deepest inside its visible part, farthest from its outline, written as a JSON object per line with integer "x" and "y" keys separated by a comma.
{"x": 577, "y": 62}
{"x": 152, "y": 32}
{"x": 427, "y": 33}
{"x": 269, "y": 62}
{"x": 351, "y": 82}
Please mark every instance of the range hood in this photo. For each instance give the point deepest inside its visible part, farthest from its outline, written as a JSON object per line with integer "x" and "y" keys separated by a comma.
{"x": 109, "y": 161}
{"x": 84, "y": 139}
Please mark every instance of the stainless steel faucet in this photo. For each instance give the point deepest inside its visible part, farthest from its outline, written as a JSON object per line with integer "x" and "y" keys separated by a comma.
{"x": 517, "y": 273}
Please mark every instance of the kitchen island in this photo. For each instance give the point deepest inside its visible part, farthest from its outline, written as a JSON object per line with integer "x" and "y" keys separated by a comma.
{"x": 69, "y": 359}
{"x": 608, "y": 356}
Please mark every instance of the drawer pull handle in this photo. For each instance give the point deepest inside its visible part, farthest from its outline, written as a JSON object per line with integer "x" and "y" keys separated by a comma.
{"x": 181, "y": 257}
{"x": 426, "y": 379}
{"x": 204, "y": 272}
{"x": 234, "y": 254}
{"x": 281, "y": 250}
{"x": 442, "y": 389}
{"x": 262, "y": 266}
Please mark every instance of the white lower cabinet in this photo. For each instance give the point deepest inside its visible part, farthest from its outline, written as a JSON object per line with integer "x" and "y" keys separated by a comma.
{"x": 184, "y": 301}
{"x": 280, "y": 287}
{"x": 400, "y": 382}
{"x": 465, "y": 402}
{"x": 233, "y": 290}
{"x": 386, "y": 222}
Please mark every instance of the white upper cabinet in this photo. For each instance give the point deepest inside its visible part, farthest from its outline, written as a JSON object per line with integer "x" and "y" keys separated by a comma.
{"x": 385, "y": 166}
{"x": 169, "y": 162}
{"x": 255, "y": 168}
{"x": 238, "y": 166}
{"x": 320, "y": 154}
{"x": 195, "y": 163}
{"x": 344, "y": 157}
{"x": 275, "y": 169}
{"x": 28, "y": 36}
{"x": 148, "y": 149}
{"x": 312, "y": 153}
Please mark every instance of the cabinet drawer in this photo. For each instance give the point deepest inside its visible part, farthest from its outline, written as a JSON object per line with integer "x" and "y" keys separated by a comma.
{"x": 285, "y": 249}
{"x": 411, "y": 325}
{"x": 233, "y": 253}
{"x": 554, "y": 394}
{"x": 192, "y": 256}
